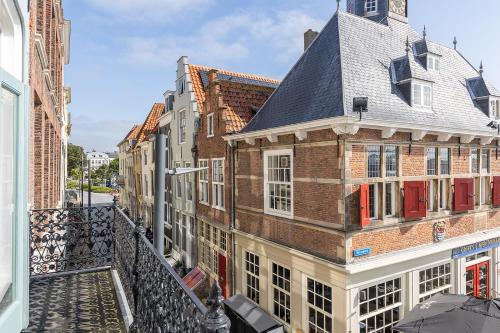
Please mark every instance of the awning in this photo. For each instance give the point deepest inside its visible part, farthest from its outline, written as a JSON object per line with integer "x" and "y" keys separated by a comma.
{"x": 259, "y": 320}
{"x": 194, "y": 278}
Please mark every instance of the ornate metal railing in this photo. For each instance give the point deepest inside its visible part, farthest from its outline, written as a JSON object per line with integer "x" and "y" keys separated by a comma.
{"x": 65, "y": 240}
{"x": 78, "y": 239}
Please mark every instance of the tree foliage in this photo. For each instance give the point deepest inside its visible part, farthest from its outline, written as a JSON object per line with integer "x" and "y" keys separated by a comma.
{"x": 75, "y": 156}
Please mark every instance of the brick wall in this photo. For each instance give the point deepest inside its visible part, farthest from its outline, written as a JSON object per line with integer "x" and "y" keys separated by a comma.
{"x": 45, "y": 129}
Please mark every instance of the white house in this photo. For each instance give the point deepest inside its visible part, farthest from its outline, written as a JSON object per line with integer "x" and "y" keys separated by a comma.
{"x": 97, "y": 159}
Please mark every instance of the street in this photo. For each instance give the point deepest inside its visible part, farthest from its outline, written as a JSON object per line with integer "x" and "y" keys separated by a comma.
{"x": 98, "y": 199}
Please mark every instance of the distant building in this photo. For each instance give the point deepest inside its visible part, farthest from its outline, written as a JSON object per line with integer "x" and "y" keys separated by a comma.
{"x": 96, "y": 159}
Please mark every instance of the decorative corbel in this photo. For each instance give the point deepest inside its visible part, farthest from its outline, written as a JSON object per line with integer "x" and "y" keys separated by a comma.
{"x": 418, "y": 135}
{"x": 272, "y": 138}
{"x": 250, "y": 141}
{"x": 445, "y": 137}
{"x": 486, "y": 140}
{"x": 388, "y": 133}
{"x": 301, "y": 135}
{"x": 467, "y": 138}
{"x": 346, "y": 129}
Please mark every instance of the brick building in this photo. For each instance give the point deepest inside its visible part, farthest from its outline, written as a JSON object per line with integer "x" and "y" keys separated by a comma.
{"x": 369, "y": 180}
{"x": 228, "y": 101}
{"x": 49, "y": 50}
{"x": 126, "y": 168}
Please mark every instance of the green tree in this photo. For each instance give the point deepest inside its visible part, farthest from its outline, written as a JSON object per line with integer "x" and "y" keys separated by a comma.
{"x": 75, "y": 156}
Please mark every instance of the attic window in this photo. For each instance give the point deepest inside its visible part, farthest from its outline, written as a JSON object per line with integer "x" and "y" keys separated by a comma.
{"x": 371, "y": 6}
{"x": 495, "y": 108}
{"x": 433, "y": 63}
{"x": 421, "y": 94}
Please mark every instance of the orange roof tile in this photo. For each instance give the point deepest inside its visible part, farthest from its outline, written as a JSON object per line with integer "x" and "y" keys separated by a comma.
{"x": 239, "y": 102}
{"x": 150, "y": 122}
{"x": 132, "y": 134}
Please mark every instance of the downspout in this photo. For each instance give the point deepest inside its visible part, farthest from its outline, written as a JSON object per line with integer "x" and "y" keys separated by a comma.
{"x": 233, "y": 216}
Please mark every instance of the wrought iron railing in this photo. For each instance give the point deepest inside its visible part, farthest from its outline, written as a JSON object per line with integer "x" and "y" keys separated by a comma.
{"x": 81, "y": 239}
{"x": 73, "y": 239}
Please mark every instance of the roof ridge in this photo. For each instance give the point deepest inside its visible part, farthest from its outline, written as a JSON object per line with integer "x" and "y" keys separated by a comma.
{"x": 240, "y": 74}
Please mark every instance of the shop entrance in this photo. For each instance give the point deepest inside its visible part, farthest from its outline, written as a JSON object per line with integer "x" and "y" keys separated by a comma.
{"x": 477, "y": 278}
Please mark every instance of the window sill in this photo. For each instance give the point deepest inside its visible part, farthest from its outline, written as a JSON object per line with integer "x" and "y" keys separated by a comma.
{"x": 204, "y": 203}
{"x": 278, "y": 213}
{"x": 222, "y": 209}
{"x": 210, "y": 136}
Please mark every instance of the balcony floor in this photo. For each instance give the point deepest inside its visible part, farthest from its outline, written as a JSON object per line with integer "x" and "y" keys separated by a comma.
{"x": 75, "y": 303}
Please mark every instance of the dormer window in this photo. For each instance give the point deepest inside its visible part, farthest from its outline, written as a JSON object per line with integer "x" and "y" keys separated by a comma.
{"x": 371, "y": 6}
{"x": 433, "y": 63}
{"x": 421, "y": 94}
{"x": 495, "y": 108}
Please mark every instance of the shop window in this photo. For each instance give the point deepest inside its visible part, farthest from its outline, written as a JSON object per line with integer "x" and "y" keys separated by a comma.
{"x": 414, "y": 199}
{"x": 373, "y": 161}
{"x": 380, "y": 306}
{"x": 434, "y": 280}
{"x": 252, "y": 268}
{"x": 464, "y": 194}
{"x": 278, "y": 185}
{"x": 431, "y": 162}
{"x": 281, "y": 281}
{"x": 319, "y": 307}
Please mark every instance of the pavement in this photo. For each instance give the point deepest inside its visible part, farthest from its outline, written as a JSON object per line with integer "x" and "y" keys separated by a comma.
{"x": 98, "y": 199}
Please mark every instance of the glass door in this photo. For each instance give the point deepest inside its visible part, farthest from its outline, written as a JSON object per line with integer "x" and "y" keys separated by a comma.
{"x": 477, "y": 280}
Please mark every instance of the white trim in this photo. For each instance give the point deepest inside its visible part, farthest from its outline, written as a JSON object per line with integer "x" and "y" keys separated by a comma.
{"x": 445, "y": 137}
{"x": 305, "y": 308}
{"x": 388, "y": 133}
{"x": 418, "y": 135}
{"x": 267, "y": 209}
{"x": 272, "y": 138}
{"x": 423, "y": 85}
{"x": 218, "y": 184}
{"x": 250, "y": 141}
{"x": 467, "y": 138}
{"x": 301, "y": 135}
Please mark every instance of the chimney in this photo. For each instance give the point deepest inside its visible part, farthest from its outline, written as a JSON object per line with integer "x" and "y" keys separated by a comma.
{"x": 309, "y": 37}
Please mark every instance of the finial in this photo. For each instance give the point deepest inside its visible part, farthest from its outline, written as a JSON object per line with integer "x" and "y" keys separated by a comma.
{"x": 481, "y": 68}
{"x": 407, "y": 44}
{"x": 425, "y": 32}
{"x": 338, "y": 5}
{"x": 455, "y": 42}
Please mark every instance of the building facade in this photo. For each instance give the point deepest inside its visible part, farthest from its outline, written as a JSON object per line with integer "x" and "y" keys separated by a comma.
{"x": 96, "y": 159}
{"x": 228, "y": 101}
{"x": 14, "y": 138}
{"x": 126, "y": 169}
{"x": 49, "y": 50}
{"x": 369, "y": 180}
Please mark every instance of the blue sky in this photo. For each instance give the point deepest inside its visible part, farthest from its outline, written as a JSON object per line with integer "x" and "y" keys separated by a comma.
{"x": 124, "y": 52}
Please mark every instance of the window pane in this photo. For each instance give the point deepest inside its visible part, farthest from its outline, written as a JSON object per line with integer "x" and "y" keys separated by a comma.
{"x": 417, "y": 94}
{"x": 390, "y": 161}
{"x": 8, "y": 106}
{"x": 444, "y": 158}
{"x": 431, "y": 161}
{"x": 474, "y": 160}
{"x": 373, "y": 161}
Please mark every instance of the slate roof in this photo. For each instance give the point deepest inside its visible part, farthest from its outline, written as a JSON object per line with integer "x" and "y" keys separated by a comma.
{"x": 351, "y": 58}
{"x": 240, "y": 101}
{"x": 481, "y": 88}
{"x": 151, "y": 122}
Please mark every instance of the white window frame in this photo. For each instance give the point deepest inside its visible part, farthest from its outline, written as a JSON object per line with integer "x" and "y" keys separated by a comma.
{"x": 210, "y": 125}
{"x": 280, "y": 290}
{"x": 422, "y": 85}
{"x": 218, "y": 200}
{"x": 433, "y": 62}
{"x": 182, "y": 126}
{"x": 252, "y": 274}
{"x": 267, "y": 209}
{"x": 371, "y": 7}
{"x": 376, "y": 194}
{"x": 203, "y": 182}
{"x": 305, "y": 314}
{"x": 471, "y": 160}
{"x": 399, "y": 304}
{"x": 437, "y": 290}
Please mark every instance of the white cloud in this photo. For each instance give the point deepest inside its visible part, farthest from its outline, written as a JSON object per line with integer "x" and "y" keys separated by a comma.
{"x": 149, "y": 10}
{"x": 230, "y": 38}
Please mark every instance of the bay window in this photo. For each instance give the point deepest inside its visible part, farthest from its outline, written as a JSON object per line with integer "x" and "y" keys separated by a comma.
{"x": 278, "y": 186}
{"x": 218, "y": 183}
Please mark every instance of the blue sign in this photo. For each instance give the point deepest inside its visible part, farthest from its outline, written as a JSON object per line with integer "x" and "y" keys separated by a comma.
{"x": 362, "y": 252}
{"x": 474, "y": 248}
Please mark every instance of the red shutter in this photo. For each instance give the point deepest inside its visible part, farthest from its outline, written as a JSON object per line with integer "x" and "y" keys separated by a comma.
{"x": 464, "y": 194}
{"x": 415, "y": 199}
{"x": 496, "y": 191}
{"x": 364, "y": 206}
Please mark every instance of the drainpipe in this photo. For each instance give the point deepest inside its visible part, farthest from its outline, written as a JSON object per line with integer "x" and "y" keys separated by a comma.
{"x": 159, "y": 208}
{"x": 233, "y": 216}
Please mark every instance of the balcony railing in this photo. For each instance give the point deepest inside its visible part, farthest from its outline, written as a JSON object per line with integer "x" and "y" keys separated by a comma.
{"x": 76, "y": 240}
